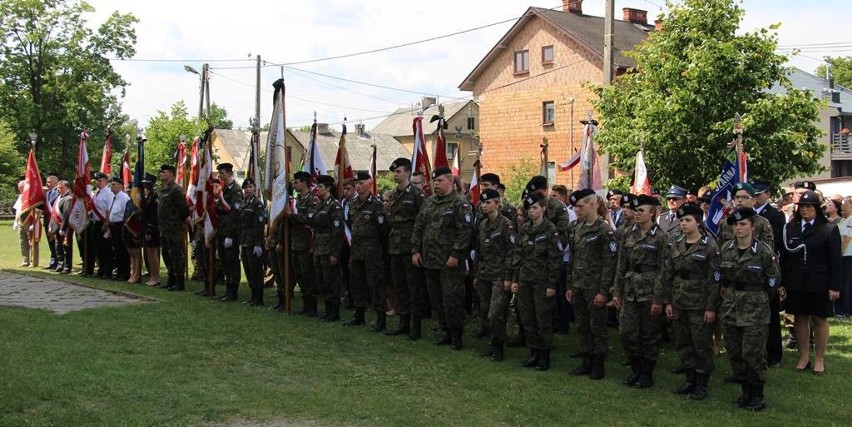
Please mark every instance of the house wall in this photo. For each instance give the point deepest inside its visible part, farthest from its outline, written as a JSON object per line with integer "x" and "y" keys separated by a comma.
{"x": 826, "y": 116}
{"x": 467, "y": 144}
{"x": 510, "y": 108}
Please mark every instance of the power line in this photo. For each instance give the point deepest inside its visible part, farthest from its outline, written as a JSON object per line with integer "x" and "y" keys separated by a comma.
{"x": 300, "y": 73}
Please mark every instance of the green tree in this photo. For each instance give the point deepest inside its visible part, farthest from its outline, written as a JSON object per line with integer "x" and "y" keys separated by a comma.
{"x": 517, "y": 178}
{"x": 163, "y": 134}
{"x": 219, "y": 117}
{"x": 841, "y": 70}
{"x": 691, "y": 78}
{"x": 57, "y": 78}
{"x": 11, "y": 166}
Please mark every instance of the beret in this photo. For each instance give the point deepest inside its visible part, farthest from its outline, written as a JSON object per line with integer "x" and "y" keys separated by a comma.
{"x": 614, "y": 192}
{"x": 167, "y": 168}
{"x": 744, "y": 186}
{"x": 489, "y": 194}
{"x": 740, "y": 214}
{"x": 532, "y": 199}
{"x": 580, "y": 195}
{"x": 225, "y": 166}
{"x": 644, "y": 199}
{"x": 149, "y": 179}
{"x": 443, "y": 170}
{"x": 537, "y": 183}
{"x": 362, "y": 176}
{"x": 302, "y": 176}
{"x": 326, "y": 180}
{"x": 490, "y": 177}
{"x": 628, "y": 200}
{"x": 400, "y": 162}
{"x": 247, "y": 182}
{"x": 690, "y": 209}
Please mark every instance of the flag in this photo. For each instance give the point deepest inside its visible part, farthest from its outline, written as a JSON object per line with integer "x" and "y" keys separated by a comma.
{"x": 315, "y": 163}
{"x": 420, "y": 157}
{"x": 743, "y": 166}
{"x": 192, "y": 188}
{"x": 542, "y": 164}
{"x": 374, "y": 171}
{"x": 342, "y": 163}
{"x": 590, "y": 173}
{"x": 138, "y": 175}
{"x": 641, "y": 182}
{"x": 571, "y": 162}
{"x": 181, "y": 163}
{"x": 81, "y": 206}
{"x": 32, "y": 195}
{"x": 724, "y": 192}
{"x": 106, "y": 157}
{"x": 253, "y": 170}
{"x": 126, "y": 175}
{"x": 474, "y": 185}
{"x": 440, "y": 144}
{"x": 207, "y": 197}
{"x": 277, "y": 172}
{"x": 456, "y": 168}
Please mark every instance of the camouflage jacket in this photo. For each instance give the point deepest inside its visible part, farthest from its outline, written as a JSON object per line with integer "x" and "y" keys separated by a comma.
{"x": 327, "y": 223}
{"x": 557, "y": 213}
{"x": 594, "y": 252}
{"x": 228, "y": 212}
{"x": 402, "y": 211}
{"x": 762, "y": 232}
{"x": 368, "y": 225}
{"x": 443, "y": 228}
{"x": 300, "y": 231}
{"x": 641, "y": 261}
{"x": 692, "y": 275}
{"x": 747, "y": 280}
{"x": 172, "y": 210}
{"x": 494, "y": 245}
{"x": 252, "y": 222}
{"x": 538, "y": 257}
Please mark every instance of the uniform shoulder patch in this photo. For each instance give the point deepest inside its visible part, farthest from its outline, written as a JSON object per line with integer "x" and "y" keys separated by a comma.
{"x": 467, "y": 218}
{"x": 717, "y": 276}
{"x": 613, "y": 247}
{"x": 381, "y": 219}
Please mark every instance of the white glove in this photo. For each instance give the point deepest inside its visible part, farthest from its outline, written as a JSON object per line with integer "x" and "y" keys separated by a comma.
{"x": 258, "y": 251}
{"x": 229, "y": 242}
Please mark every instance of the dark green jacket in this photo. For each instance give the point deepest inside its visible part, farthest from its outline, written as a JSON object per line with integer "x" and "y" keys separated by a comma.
{"x": 327, "y": 223}
{"x": 228, "y": 213}
{"x": 300, "y": 232}
{"x": 368, "y": 225}
{"x": 537, "y": 258}
{"x": 401, "y": 214}
{"x": 172, "y": 210}
{"x": 494, "y": 246}
{"x": 747, "y": 282}
{"x": 641, "y": 261}
{"x": 692, "y": 274}
{"x": 443, "y": 228}
{"x": 252, "y": 222}
{"x": 594, "y": 252}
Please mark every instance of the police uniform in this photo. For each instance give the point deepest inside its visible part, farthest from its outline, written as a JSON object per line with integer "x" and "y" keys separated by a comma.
{"x": 668, "y": 221}
{"x": 749, "y": 275}
{"x": 252, "y": 224}
{"x": 616, "y": 216}
{"x": 172, "y": 211}
{"x": 327, "y": 223}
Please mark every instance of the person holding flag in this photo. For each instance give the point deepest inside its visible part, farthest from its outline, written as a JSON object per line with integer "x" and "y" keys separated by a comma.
{"x": 116, "y": 219}
{"x": 59, "y": 224}
{"x": 172, "y": 211}
{"x": 32, "y": 197}
{"x": 301, "y": 238}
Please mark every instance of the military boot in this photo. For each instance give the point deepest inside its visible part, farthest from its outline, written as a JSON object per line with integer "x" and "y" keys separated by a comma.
{"x": 756, "y": 402}
{"x": 597, "y": 367}
{"x": 207, "y": 291}
{"x": 332, "y": 310}
{"x": 416, "y": 328}
{"x": 689, "y": 386}
{"x": 306, "y": 304}
{"x": 170, "y": 283}
{"x": 680, "y": 368}
{"x": 179, "y": 283}
{"x": 585, "y": 367}
{"x": 745, "y": 397}
{"x": 700, "y": 391}
{"x": 403, "y": 329}
{"x": 496, "y": 351}
{"x": 381, "y": 321}
{"x": 256, "y": 298}
{"x": 456, "y": 338}
{"x": 646, "y": 375}
{"x": 531, "y": 361}
{"x": 230, "y": 293}
{"x": 543, "y": 360}
{"x": 635, "y": 368}
{"x": 312, "y": 308}
{"x": 358, "y": 319}
{"x": 279, "y": 304}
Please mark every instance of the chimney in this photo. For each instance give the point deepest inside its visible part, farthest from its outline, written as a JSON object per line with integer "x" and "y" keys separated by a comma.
{"x": 658, "y": 24}
{"x": 322, "y": 128}
{"x": 573, "y": 6}
{"x": 427, "y": 102}
{"x": 636, "y": 16}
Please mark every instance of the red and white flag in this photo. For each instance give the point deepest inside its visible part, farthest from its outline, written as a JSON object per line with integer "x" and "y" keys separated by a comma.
{"x": 192, "y": 188}
{"x": 126, "y": 172}
{"x": 743, "y": 166}
{"x": 277, "y": 169}
{"x": 342, "y": 163}
{"x": 315, "y": 164}
{"x": 106, "y": 157}
{"x": 181, "y": 162}
{"x": 32, "y": 195}
{"x": 474, "y": 187}
{"x": 374, "y": 171}
{"x": 590, "y": 171}
{"x": 81, "y": 206}
{"x": 641, "y": 182}
{"x": 456, "y": 168}
{"x": 206, "y": 197}
{"x": 420, "y": 157}
{"x": 571, "y": 162}
{"x": 441, "y": 159}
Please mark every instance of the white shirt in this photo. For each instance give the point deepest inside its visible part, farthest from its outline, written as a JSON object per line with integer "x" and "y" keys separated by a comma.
{"x": 846, "y": 231}
{"x": 808, "y": 223}
{"x": 116, "y": 212}
{"x": 760, "y": 209}
{"x": 102, "y": 201}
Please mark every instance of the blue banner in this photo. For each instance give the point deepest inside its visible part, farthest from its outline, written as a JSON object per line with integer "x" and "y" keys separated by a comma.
{"x": 724, "y": 193}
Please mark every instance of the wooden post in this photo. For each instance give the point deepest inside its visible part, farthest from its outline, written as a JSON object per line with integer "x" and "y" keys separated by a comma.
{"x": 211, "y": 270}
{"x": 285, "y": 253}
{"x": 36, "y": 216}
{"x": 738, "y": 139}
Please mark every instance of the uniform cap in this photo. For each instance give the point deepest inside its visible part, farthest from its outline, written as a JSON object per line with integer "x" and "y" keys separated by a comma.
{"x": 644, "y": 199}
{"x": 227, "y": 167}
{"x": 740, "y": 214}
{"x": 614, "y": 192}
{"x": 149, "y": 179}
{"x": 760, "y": 187}
{"x": 809, "y": 198}
{"x": 706, "y": 197}
{"x": 362, "y": 176}
{"x": 326, "y": 180}
{"x": 744, "y": 186}
{"x": 489, "y": 194}
{"x": 117, "y": 180}
{"x": 169, "y": 168}
{"x": 690, "y": 209}
{"x": 441, "y": 171}
{"x": 805, "y": 184}
{"x": 400, "y": 162}
{"x": 493, "y": 178}
{"x": 98, "y": 175}
{"x": 537, "y": 183}
{"x": 580, "y": 195}
{"x": 676, "y": 192}
{"x": 628, "y": 201}
{"x": 532, "y": 199}
{"x": 247, "y": 182}
{"x": 302, "y": 176}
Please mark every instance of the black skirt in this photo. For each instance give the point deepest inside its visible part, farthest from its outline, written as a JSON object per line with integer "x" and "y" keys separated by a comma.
{"x": 808, "y": 303}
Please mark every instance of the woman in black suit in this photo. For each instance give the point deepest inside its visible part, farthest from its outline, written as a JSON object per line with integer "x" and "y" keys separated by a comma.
{"x": 811, "y": 276}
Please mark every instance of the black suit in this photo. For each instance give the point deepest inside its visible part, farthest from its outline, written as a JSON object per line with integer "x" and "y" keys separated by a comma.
{"x": 774, "y": 345}
{"x": 816, "y": 267}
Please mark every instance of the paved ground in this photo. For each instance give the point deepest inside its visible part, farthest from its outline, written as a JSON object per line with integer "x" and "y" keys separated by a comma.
{"x": 59, "y": 297}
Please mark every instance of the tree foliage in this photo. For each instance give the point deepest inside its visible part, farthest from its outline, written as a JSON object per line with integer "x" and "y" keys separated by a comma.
{"x": 11, "y": 166}
{"x": 164, "y": 131}
{"x": 517, "y": 178}
{"x": 56, "y": 75}
{"x": 691, "y": 78}
{"x": 841, "y": 70}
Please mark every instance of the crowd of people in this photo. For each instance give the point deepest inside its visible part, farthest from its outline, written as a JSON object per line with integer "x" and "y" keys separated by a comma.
{"x": 563, "y": 257}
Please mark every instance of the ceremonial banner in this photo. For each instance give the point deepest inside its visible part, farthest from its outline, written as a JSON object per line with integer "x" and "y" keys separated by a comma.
{"x": 456, "y": 161}
{"x": 374, "y": 172}
{"x": 207, "y": 196}
{"x": 419, "y": 156}
{"x": 253, "y": 171}
{"x": 641, "y": 182}
{"x": 126, "y": 175}
{"x": 106, "y": 157}
{"x": 181, "y": 163}
{"x": 342, "y": 164}
{"x": 571, "y": 162}
{"x": 724, "y": 192}
{"x": 474, "y": 186}
{"x": 440, "y": 145}
{"x": 33, "y": 194}
{"x": 82, "y": 204}
{"x": 315, "y": 163}
{"x": 590, "y": 173}
{"x": 192, "y": 188}
{"x": 277, "y": 172}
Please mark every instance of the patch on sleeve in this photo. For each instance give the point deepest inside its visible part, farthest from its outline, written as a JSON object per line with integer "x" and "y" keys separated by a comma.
{"x": 467, "y": 218}
{"x": 337, "y": 223}
{"x": 772, "y": 282}
{"x": 512, "y": 239}
{"x": 381, "y": 219}
{"x": 717, "y": 276}
{"x": 613, "y": 247}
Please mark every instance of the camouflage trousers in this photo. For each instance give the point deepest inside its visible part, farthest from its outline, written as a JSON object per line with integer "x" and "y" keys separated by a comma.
{"x": 326, "y": 277}
{"x": 641, "y": 333}
{"x": 746, "y": 346}
{"x": 411, "y": 297}
{"x": 302, "y": 272}
{"x": 536, "y": 315}
{"x": 172, "y": 247}
{"x": 498, "y": 310}
{"x": 693, "y": 340}
{"x": 484, "y": 290}
{"x": 446, "y": 294}
{"x": 591, "y": 322}
{"x": 366, "y": 282}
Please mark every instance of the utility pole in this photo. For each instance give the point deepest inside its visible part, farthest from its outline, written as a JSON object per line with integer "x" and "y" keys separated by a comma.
{"x": 609, "y": 12}
{"x": 257, "y": 93}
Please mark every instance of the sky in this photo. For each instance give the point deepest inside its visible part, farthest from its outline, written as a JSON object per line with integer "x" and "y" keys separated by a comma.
{"x": 228, "y": 36}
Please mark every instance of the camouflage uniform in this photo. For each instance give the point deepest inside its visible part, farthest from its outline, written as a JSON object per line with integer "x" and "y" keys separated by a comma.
{"x": 301, "y": 260}
{"x": 762, "y": 232}
{"x": 407, "y": 279}
{"x": 252, "y": 223}
{"x": 495, "y": 242}
{"x": 443, "y": 229}
{"x": 366, "y": 271}
{"x": 535, "y": 264}
{"x": 692, "y": 286}
{"x": 591, "y": 270}
{"x": 274, "y": 237}
{"x": 639, "y": 284}
{"x": 171, "y": 214}
{"x": 327, "y": 223}
{"x": 747, "y": 280}
{"x": 228, "y": 227}
{"x": 510, "y": 212}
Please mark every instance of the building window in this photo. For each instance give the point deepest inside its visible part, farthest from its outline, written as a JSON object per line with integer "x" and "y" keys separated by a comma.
{"x": 452, "y": 150}
{"x": 471, "y": 123}
{"x": 522, "y": 61}
{"x": 547, "y": 55}
{"x": 548, "y": 113}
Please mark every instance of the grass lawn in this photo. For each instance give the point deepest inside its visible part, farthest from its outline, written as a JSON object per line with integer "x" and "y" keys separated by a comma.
{"x": 191, "y": 361}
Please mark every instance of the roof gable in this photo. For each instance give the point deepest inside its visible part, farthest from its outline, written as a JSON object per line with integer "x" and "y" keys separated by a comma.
{"x": 399, "y": 123}
{"x": 360, "y": 149}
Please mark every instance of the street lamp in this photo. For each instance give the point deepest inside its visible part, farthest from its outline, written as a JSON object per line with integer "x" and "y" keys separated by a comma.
{"x": 189, "y": 69}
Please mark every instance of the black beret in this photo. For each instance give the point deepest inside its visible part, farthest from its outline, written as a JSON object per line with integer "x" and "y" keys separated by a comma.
{"x": 362, "y": 176}
{"x": 809, "y": 198}
{"x": 490, "y": 177}
{"x": 443, "y": 170}
{"x": 740, "y": 214}
{"x": 326, "y": 180}
{"x": 580, "y": 195}
{"x": 400, "y": 162}
{"x": 628, "y": 201}
{"x": 500, "y": 186}
{"x": 247, "y": 182}
{"x": 745, "y": 187}
{"x": 537, "y": 183}
{"x": 489, "y": 194}
{"x": 167, "y": 168}
{"x": 644, "y": 199}
{"x": 149, "y": 179}
{"x": 98, "y": 175}
{"x": 117, "y": 180}
{"x": 302, "y": 176}
{"x": 227, "y": 167}
{"x": 676, "y": 191}
{"x": 532, "y": 199}
{"x": 690, "y": 209}
{"x": 614, "y": 192}
{"x": 707, "y": 196}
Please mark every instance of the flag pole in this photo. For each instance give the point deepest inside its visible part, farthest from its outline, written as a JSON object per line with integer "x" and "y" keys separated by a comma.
{"x": 738, "y": 138}
{"x": 285, "y": 253}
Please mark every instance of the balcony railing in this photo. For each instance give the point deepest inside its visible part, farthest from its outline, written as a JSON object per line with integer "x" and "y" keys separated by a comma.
{"x": 841, "y": 146}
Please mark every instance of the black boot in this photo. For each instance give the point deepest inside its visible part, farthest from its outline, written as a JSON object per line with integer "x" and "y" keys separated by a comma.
{"x": 358, "y": 319}
{"x": 170, "y": 283}
{"x": 456, "y": 338}
{"x": 416, "y": 328}
{"x": 256, "y": 298}
{"x": 444, "y": 340}
{"x": 306, "y": 304}
{"x": 381, "y": 321}
{"x": 680, "y": 368}
{"x": 496, "y": 350}
{"x": 312, "y": 308}
{"x": 531, "y": 361}
{"x": 403, "y": 328}
{"x": 597, "y": 367}
{"x": 543, "y": 360}
{"x": 689, "y": 386}
{"x": 230, "y": 293}
{"x": 332, "y": 310}
{"x": 483, "y": 332}
{"x": 206, "y": 291}
{"x": 646, "y": 376}
{"x": 756, "y": 402}
{"x": 700, "y": 391}
{"x": 279, "y": 304}
{"x": 585, "y": 367}
{"x": 635, "y": 368}
{"x": 745, "y": 397}
{"x": 179, "y": 284}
